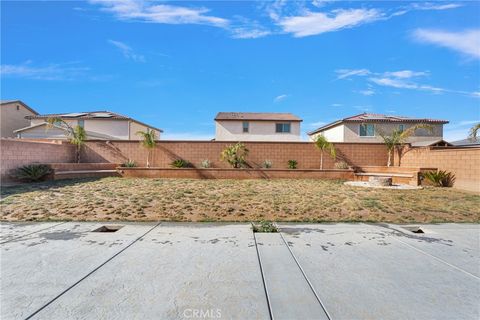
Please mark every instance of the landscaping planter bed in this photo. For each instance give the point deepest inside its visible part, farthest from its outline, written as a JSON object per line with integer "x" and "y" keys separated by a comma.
{"x": 225, "y": 173}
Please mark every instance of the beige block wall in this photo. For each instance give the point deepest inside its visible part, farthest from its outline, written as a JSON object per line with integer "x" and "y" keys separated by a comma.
{"x": 463, "y": 162}
{"x": 258, "y": 131}
{"x": 13, "y": 119}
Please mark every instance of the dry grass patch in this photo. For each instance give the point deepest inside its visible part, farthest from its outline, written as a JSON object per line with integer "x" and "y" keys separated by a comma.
{"x": 232, "y": 200}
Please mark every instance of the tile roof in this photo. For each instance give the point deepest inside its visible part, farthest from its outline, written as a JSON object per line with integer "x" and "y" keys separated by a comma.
{"x": 373, "y": 117}
{"x": 257, "y": 116}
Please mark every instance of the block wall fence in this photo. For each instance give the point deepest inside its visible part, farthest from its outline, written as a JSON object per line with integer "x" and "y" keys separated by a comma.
{"x": 305, "y": 153}
{"x": 463, "y": 162}
{"x": 15, "y": 153}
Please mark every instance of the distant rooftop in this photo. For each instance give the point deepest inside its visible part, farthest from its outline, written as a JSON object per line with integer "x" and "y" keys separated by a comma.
{"x": 257, "y": 116}
{"x": 2, "y": 102}
{"x": 468, "y": 142}
{"x": 374, "y": 117}
{"x": 108, "y": 115}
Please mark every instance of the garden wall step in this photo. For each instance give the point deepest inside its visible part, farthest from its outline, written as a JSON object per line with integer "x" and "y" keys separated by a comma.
{"x": 59, "y": 175}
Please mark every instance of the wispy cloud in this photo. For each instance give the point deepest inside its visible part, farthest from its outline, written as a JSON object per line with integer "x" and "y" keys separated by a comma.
{"x": 51, "y": 72}
{"x": 313, "y": 23}
{"x": 435, "y": 6}
{"x": 336, "y": 105}
{"x": 249, "y": 33}
{"x": 466, "y": 42}
{"x": 405, "y": 74}
{"x": 160, "y": 13}
{"x": 280, "y": 98}
{"x": 367, "y": 92}
{"x": 347, "y": 73}
{"x": 127, "y": 51}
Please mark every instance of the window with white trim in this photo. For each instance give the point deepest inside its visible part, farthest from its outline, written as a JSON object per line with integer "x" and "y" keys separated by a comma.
{"x": 245, "y": 126}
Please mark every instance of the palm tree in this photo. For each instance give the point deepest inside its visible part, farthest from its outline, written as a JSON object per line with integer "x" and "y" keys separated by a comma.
{"x": 398, "y": 138}
{"x": 474, "y": 131}
{"x": 76, "y": 135}
{"x": 324, "y": 145}
{"x": 148, "y": 142}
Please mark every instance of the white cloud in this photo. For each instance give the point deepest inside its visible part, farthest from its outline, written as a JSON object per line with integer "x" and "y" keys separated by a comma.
{"x": 336, "y": 104}
{"x": 347, "y": 73}
{"x": 247, "y": 33}
{"x": 405, "y": 74}
{"x": 367, "y": 92}
{"x": 435, "y": 6}
{"x": 127, "y": 51}
{"x": 466, "y": 42}
{"x": 48, "y": 72}
{"x": 280, "y": 98}
{"x": 313, "y": 23}
{"x": 159, "y": 13}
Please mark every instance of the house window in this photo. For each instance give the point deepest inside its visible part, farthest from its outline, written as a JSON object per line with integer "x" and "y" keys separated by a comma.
{"x": 18, "y": 107}
{"x": 367, "y": 130}
{"x": 282, "y": 127}
{"x": 401, "y": 127}
{"x": 245, "y": 126}
{"x": 81, "y": 123}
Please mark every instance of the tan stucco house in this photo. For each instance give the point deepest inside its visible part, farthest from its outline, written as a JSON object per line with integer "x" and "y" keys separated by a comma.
{"x": 13, "y": 113}
{"x": 103, "y": 125}
{"x": 363, "y": 128}
{"x": 253, "y": 126}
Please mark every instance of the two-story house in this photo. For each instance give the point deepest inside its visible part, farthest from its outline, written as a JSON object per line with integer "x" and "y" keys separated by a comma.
{"x": 103, "y": 125}
{"x": 253, "y": 126}
{"x": 364, "y": 128}
{"x": 13, "y": 113}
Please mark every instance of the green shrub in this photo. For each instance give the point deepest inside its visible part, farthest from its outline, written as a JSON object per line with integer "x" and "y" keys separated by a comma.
{"x": 440, "y": 178}
{"x": 180, "y": 163}
{"x": 341, "y": 165}
{"x": 205, "y": 163}
{"x": 129, "y": 164}
{"x": 266, "y": 164}
{"x": 32, "y": 172}
{"x": 264, "y": 226}
{"x": 292, "y": 164}
{"x": 235, "y": 155}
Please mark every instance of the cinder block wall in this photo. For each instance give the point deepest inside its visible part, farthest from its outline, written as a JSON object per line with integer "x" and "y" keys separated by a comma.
{"x": 306, "y": 154}
{"x": 16, "y": 152}
{"x": 463, "y": 162}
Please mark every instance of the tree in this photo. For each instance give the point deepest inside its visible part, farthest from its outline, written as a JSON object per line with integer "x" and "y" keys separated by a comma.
{"x": 76, "y": 135}
{"x": 474, "y": 131}
{"x": 324, "y": 145}
{"x": 398, "y": 138}
{"x": 148, "y": 142}
{"x": 235, "y": 155}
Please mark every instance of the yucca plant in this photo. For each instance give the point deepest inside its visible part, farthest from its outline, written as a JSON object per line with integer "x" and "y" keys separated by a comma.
{"x": 32, "y": 172}
{"x": 397, "y": 139}
{"x": 180, "y": 163}
{"x": 440, "y": 178}
{"x": 235, "y": 155}
{"x": 148, "y": 142}
{"x": 324, "y": 145}
{"x": 76, "y": 135}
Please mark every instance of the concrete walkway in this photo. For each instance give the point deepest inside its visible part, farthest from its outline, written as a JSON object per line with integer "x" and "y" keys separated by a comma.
{"x": 224, "y": 271}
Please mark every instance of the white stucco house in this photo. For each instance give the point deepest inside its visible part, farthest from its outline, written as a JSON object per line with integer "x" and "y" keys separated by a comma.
{"x": 12, "y": 115}
{"x": 103, "y": 125}
{"x": 254, "y": 126}
{"x": 364, "y": 128}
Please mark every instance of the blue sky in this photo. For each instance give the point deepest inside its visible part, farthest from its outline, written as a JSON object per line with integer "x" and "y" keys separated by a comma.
{"x": 176, "y": 64}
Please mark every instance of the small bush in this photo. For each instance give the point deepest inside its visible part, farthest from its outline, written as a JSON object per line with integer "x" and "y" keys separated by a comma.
{"x": 440, "y": 178}
{"x": 205, "y": 163}
{"x": 235, "y": 155}
{"x": 264, "y": 226}
{"x": 129, "y": 164}
{"x": 292, "y": 164}
{"x": 341, "y": 165}
{"x": 266, "y": 164}
{"x": 180, "y": 163}
{"x": 32, "y": 172}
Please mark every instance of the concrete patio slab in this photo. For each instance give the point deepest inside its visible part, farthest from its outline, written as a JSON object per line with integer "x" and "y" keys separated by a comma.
{"x": 362, "y": 272}
{"x": 289, "y": 293}
{"x": 38, "y": 267}
{"x": 10, "y": 231}
{"x": 176, "y": 271}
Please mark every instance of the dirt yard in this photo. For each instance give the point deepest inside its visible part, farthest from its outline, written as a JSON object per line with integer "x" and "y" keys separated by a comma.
{"x": 232, "y": 200}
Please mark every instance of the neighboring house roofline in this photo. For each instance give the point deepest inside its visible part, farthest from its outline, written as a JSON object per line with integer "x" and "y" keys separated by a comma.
{"x": 89, "y": 115}
{"x": 256, "y": 116}
{"x": 19, "y": 102}
{"x": 370, "y": 117}
{"x": 88, "y": 133}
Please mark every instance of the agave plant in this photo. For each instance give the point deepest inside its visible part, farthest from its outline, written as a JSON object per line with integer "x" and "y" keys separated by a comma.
{"x": 129, "y": 164}
{"x": 180, "y": 163}
{"x": 32, "y": 172}
{"x": 324, "y": 145}
{"x": 440, "y": 178}
{"x": 76, "y": 135}
{"x": 148, "y": 142}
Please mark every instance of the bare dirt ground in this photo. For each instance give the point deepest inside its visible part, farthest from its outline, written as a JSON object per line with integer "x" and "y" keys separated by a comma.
{"x": 232, "y": 200}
